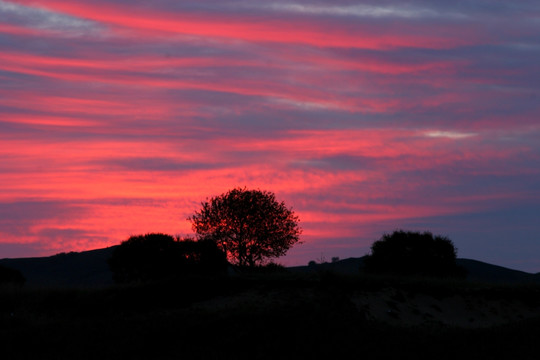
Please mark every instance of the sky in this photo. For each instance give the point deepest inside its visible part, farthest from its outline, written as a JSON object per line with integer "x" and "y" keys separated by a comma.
{"x": 119, "y": 118}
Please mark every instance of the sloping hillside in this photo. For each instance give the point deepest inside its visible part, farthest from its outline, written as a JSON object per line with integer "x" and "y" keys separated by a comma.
{"x": 89, "y": 268}
{"x": 476, "y": 271}
{"x": 84, "y": 269}
{"x": 484, "y": 272}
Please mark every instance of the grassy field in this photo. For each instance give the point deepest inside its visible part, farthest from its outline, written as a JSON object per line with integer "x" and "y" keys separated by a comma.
{"x": 265, "y": 316}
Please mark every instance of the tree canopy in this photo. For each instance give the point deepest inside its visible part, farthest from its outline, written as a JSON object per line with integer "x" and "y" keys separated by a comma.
{"x": 159, "y": 256}
{"x": 251, "y": 226}
{"x": 413, "y": 253}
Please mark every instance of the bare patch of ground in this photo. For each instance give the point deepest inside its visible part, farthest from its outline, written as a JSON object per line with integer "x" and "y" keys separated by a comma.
{"x": 394, "y": 306}
{"x": 406, "y": 309}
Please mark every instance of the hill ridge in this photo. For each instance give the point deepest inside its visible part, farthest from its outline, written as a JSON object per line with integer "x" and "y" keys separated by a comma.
{"x": 89, "y": 269}
{"x": 477, "y": 270}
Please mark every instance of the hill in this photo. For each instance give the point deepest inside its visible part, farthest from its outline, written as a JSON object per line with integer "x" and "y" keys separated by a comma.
{"x": 74, "y": 269}
{"x": 477, "y": 271}
{"x": 90, "y": 269}
{"x": 316, "y": 316}
{"x": 484, "y": 272}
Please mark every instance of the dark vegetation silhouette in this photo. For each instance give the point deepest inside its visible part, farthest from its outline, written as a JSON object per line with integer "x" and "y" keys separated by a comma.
{"x": 156, "y": 256}
{"x": 250, "y": 226}
{"x": 318, "y": 314}
{"x": 413, "y": 253}
{"x": 11, "y": 276}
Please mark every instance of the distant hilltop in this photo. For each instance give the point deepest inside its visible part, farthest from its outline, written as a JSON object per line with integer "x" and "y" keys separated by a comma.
{"x": 476, "y": 270}
{"x": 90, "y": 269}
{"x": 73, "y": 269}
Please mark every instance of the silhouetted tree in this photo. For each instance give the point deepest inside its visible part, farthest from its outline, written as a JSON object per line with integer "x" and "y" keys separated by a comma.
{"x": 11, "y": 276}
{"x": 413, "y": 253}
{"x": 249, "y": 225}
{"x": 159, "y": 256}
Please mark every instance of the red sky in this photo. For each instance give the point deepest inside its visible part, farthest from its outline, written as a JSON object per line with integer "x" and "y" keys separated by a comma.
{"x": 119, "y": 117}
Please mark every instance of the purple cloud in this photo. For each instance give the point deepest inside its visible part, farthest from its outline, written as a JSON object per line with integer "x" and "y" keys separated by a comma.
{"x": 121, "y": 116}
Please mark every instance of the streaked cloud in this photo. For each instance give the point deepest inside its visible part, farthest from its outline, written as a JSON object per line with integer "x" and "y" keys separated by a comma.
{"x": 449, "y": 134}
{"x": 44, "y": 19}
{"x": 359, "y": 10}
{"x": 118, "y": 117}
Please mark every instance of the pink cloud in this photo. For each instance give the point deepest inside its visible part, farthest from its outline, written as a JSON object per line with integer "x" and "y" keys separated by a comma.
{"x": 121, "y": 118}
{"x": 254, "y": 28}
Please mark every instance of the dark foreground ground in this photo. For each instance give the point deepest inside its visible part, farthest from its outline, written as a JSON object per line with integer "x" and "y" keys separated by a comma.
{"x": 283, "y": 316}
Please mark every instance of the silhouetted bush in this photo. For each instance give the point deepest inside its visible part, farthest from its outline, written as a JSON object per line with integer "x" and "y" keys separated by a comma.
{"x": 11, "y": 276}
{"x": 202, "y": 257}
{"x": 158, "y": 256}
{"x": 413, "y": 253}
